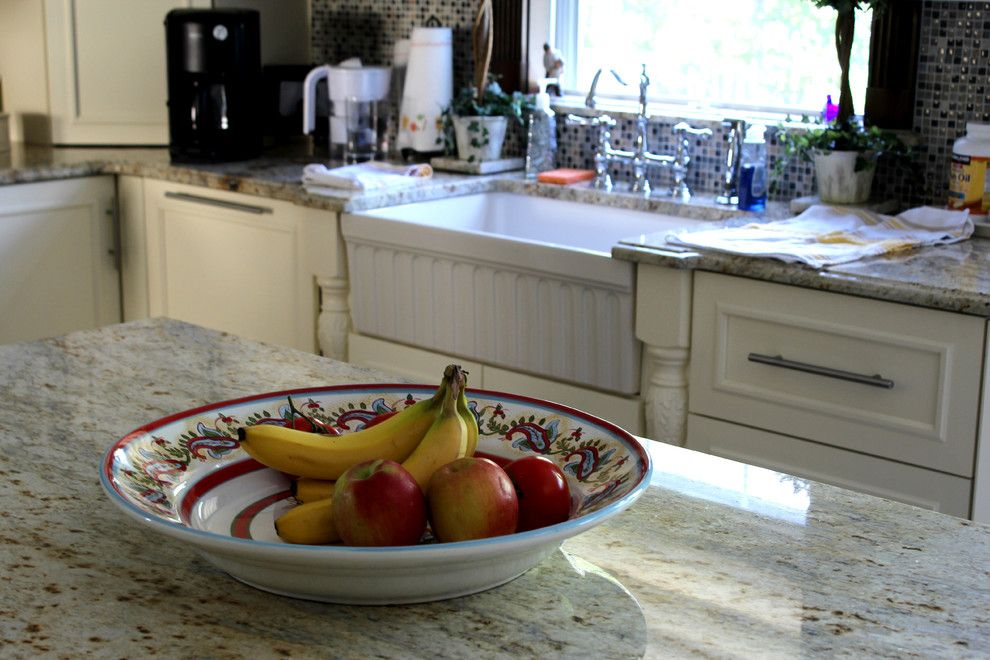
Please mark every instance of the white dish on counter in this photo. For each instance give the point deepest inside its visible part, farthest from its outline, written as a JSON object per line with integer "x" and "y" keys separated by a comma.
{"x": 186, "y": 477}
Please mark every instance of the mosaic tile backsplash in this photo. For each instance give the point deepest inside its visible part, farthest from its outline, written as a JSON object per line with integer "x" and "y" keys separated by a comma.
{"x": 952, "y": 89}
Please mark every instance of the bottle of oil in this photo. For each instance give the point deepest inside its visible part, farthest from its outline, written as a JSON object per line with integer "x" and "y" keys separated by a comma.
{"x": 969, "y": 182}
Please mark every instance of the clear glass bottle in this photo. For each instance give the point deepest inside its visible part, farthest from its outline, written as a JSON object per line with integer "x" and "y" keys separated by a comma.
{"x": 541, "y": 136}
{"x": 753, "y": 173}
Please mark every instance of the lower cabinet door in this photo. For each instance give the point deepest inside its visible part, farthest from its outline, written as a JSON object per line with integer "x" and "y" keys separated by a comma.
{"x": 415, "y": 364}
{"x": 241, "y": 264}
{"x": 923, "y": 488}
{"x": 58, "y": 258}
{"x": 423, "y": 366}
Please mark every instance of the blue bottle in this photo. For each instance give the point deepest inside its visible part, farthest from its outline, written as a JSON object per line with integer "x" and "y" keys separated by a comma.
{"x": 753, "y": 173}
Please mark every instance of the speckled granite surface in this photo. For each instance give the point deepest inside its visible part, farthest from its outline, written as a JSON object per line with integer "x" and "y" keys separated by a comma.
{"x": 717, "y": 559}
{"x": 953, "y": 278}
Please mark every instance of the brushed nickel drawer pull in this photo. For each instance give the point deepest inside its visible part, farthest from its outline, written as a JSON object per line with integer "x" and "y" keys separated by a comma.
{"x": 209, "y": 201}
{"x": 778, "y": 361}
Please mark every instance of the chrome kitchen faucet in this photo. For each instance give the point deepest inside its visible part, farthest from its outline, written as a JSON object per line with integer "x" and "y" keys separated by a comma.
{"x": 639, "y": 156}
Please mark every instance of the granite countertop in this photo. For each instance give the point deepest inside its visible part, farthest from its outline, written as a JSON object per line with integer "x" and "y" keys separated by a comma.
{"x": 716, "y": 559}
{"x": 954, "y": 278}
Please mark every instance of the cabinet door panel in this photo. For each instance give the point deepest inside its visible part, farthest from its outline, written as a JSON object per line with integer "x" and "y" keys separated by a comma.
{"x": 927, "y": 489}
{"x": 229, "y": 273}
{"x": 416, "y": 364}
{"x": 106, "y": 70}
{"x": 242, "y": 264}
{"x": 57, "y": 272}
{"x": 780, "y": 357}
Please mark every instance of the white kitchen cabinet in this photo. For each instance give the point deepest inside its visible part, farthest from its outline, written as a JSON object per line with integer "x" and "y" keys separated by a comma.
{"x": 247, "y": 265}
{"x": 58, "y": 258}
{"x": 424, "y": 366}
{"x": 106, "y": 70}
{"x": 928, "y": 489}
{"x": 877, "y": 396}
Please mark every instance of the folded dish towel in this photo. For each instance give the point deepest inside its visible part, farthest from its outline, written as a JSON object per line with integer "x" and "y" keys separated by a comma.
{"x": 828, "y": 235}
{"x": 372, "y": 175}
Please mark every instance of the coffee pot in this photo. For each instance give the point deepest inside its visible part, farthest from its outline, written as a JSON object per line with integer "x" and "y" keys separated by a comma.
{"x": 357, "y": 120}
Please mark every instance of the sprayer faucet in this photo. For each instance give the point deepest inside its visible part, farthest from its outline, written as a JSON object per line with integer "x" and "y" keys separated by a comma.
{"x": 589, "y": 100}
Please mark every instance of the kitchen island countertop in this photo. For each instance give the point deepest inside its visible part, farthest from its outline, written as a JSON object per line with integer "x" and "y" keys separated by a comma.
{"x": 717, "y": 558}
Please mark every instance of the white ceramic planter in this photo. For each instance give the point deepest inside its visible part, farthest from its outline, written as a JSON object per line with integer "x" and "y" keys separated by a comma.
{"x": 488, "y": 132}
{"x": 838, "y": 180}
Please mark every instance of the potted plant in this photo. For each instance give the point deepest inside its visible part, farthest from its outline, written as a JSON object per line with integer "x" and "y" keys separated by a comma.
{"x": 478, "y": 122}
{"x": 844, "y": 152}
{"x": 479, "y": 113}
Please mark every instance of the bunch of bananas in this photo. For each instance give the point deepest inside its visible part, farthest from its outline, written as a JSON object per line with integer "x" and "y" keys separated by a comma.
{"x": 423, "y": 437}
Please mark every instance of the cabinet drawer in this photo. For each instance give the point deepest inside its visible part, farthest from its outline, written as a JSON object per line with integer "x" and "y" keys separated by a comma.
{"x": 927, "y": 489}
{"x": 916, "y": 400}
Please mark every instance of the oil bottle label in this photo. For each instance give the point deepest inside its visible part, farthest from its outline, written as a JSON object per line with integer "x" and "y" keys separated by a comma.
{"x": 969, "y": 185}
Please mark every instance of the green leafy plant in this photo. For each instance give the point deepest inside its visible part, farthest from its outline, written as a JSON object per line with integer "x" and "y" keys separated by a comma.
{"x": 493, "y": 102}
{"x": 852, "y": 136}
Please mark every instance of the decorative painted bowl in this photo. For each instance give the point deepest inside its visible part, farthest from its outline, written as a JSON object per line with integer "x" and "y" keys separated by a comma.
{"x": 186, "y": 476}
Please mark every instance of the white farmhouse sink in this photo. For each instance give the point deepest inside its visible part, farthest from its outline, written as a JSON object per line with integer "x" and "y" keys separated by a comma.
{"x": 522, "y": 282}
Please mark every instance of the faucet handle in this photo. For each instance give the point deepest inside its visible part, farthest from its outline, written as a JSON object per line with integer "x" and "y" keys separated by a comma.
{"x": 580, "y": 120}
{"x": 683, "y": 129}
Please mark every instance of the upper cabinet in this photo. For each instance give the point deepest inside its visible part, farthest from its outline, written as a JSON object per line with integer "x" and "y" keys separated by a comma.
{"x": 106, "y": 70}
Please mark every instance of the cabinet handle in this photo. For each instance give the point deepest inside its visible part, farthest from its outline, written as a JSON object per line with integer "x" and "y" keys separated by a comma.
{"x": 778, "y": 361}
{"x": 209, "y": 201}
{"x": 115, "y": 250}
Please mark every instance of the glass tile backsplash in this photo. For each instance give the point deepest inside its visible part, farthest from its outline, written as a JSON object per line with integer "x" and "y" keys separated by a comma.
{"x": 952, "y": 89}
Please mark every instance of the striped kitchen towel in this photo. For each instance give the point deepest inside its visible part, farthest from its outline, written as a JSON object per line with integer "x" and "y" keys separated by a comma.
{"x": 828, "y": 235}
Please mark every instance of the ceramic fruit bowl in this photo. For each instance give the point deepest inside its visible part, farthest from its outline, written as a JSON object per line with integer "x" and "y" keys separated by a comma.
{"x": 186, "y": 476}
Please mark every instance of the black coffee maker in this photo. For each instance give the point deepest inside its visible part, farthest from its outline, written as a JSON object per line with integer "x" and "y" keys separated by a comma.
{"x": 214, "y": 84}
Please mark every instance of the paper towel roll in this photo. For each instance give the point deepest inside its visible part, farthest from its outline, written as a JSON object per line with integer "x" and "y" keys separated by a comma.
{"x": 429, "y": 88}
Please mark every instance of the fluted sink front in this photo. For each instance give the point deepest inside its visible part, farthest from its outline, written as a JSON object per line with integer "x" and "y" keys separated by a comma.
{"x": 512, "y": 280}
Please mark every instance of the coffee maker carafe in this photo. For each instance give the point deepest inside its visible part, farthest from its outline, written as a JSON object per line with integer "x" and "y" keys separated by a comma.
{"x": 214, "y": 83}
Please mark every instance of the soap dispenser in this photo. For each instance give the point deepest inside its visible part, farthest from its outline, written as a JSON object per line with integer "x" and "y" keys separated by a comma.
{"x": 753, "y": 173}
{"x": 541, "y": 134}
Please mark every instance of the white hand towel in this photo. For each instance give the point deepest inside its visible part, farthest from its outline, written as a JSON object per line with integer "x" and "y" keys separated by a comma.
{"x": 372, "y": 175}
{"x": 828, "y": 235}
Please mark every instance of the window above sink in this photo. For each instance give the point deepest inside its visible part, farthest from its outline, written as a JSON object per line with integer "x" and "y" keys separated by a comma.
{"x": 773, "y": 56}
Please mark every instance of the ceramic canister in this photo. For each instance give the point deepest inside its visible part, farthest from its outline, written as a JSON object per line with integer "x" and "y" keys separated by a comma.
{"x": 428, "y": 89}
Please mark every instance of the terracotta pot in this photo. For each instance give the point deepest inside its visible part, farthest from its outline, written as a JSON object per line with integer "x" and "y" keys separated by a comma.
{"x": 487, "y": 134}
{"x": 838, "y": 180}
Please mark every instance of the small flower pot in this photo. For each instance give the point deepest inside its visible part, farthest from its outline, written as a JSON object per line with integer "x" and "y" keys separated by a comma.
{"x": 838, "y": 180}
{"x": 479, "y": 138}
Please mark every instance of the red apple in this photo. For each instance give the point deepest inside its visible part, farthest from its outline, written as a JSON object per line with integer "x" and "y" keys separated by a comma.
{"x": 544, "y": 496}
{"x": 379, "y": 503}
{"x": 471, "y": 498}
